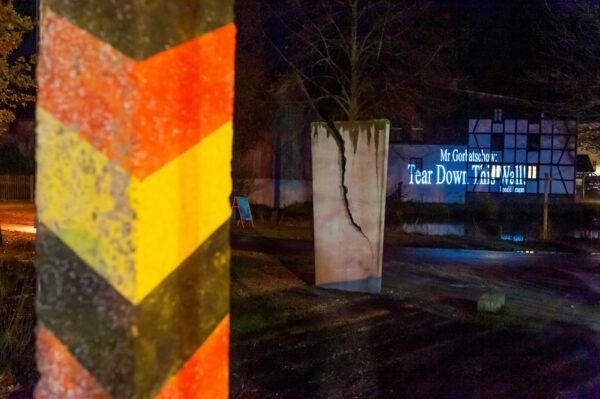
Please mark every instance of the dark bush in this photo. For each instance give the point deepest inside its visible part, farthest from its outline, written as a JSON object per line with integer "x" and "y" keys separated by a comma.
{"x": 17, "y": 321}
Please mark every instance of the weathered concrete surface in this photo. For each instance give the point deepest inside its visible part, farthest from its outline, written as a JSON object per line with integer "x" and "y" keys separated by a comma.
{"x": 348, "y": 255}
{"x": 134, "y": 151}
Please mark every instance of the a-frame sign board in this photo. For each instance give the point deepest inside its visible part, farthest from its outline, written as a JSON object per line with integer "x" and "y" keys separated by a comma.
{"x": 241, "y": 210}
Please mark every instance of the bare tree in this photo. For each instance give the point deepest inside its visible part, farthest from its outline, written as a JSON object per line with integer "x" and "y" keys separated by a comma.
{"x": 568, "y": 69}
{"x": 569, "y": 64}
{"x": 355, "y": 58}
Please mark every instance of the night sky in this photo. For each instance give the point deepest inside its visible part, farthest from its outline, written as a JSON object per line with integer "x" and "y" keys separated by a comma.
{"x": 495, "y": 56}
{"x": 497, "y": 42}
{"x": 27, "y": 7}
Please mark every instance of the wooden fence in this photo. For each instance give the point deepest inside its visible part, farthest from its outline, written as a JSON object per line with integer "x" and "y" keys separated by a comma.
{"x": 17, "y": 188}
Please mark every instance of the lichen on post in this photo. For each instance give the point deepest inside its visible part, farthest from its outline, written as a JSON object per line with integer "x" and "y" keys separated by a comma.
{"x": 134, "y": 149}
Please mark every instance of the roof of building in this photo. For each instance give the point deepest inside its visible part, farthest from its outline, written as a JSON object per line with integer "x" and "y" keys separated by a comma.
{"x": 584, "y": 164}
{"x": 451, "y": 127}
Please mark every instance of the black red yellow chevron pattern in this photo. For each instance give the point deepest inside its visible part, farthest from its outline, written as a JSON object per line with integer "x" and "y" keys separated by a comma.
{"x": 134, "y": 150}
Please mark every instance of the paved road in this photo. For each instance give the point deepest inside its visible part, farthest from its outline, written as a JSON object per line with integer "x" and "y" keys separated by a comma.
{"x": 423, "y": 337}
{"x": 270, "y": 245}
{"x": 472, "y": 257}
{"x": 466, "y": 257}
{"x": 560, "y": 286}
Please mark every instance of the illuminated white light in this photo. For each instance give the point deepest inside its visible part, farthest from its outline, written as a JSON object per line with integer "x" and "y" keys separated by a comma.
{"x": 532, "y": 172}
{"x": 484, "y": 168}
{"x": 496, "y": 171}
{"x": 20, "y": 228}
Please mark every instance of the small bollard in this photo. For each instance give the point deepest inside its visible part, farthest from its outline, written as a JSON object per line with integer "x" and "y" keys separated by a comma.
{"x": 491, "y": 302}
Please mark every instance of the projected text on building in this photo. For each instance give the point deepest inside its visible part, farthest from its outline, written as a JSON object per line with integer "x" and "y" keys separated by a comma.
{"x": 483, "y": 168}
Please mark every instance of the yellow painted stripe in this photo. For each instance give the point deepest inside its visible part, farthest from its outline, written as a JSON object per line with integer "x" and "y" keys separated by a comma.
{"x": 83, "y": 197}
{"x": 132, "y": 233}
{"x": 180, "y": 206}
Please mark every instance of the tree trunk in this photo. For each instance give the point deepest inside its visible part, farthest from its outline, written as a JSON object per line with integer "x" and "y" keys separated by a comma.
{"x": 353, "y": 106}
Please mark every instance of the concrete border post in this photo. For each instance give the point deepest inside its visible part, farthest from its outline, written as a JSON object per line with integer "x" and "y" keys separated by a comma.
{"x": 134, "y": 148}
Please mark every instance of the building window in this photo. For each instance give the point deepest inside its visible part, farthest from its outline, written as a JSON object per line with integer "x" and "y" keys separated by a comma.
{"x": 416, "y": 134}
{"x": 497, "y": 114}
{"x": 533, "y": 142}
{"x": 497, "y": 142}
{"x": 396, "y": 134}
{"x": 496, "y": 171}
{"x": 532, "y": 172}
{"x": 415, "y": 164}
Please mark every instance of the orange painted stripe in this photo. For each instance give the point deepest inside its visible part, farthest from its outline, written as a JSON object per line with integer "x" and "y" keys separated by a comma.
{"x": 61, "y": 374}
{"x": 186, "y": 92}
{"x": 87, "y": 85}
{"x": 141, "y": 114}
{"x": 206, "y": 374}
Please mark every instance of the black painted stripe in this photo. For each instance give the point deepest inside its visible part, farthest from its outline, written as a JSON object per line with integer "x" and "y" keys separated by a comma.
{"x": 86, "y": 313}
{"x": 141, "y": 29}
{"x": 132, "y": 350}
{"x": 179, "y": 315}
